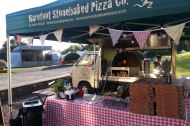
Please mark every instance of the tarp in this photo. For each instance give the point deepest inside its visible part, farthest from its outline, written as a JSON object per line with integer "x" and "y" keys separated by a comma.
{"x": 75, "y": 17}
{"x": 70, "y": 14}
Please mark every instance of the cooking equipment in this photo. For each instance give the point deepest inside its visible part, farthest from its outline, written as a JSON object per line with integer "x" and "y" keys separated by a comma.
{"x": 126, "y": 64}
{"x": 156, "y": 40}
{"x": 146, "y": 66}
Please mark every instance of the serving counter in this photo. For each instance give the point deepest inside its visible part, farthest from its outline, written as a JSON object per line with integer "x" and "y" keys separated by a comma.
{"x": 78, "y": 112}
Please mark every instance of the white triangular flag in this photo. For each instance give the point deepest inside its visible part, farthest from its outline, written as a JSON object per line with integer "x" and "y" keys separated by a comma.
{"x": 42, "y": 39}
{"x": 58, "y": 34}
{"x": 29, "y": 41}
{"x": 175, "y": 32}
{"x": 115, "y": 34}
{"x": 18, "y": 37}
{"x": 141, "y": 37}
{"x": 93, "y": 28}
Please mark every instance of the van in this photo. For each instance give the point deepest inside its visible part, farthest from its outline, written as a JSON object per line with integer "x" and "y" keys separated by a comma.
{"x": 96, "y": 68}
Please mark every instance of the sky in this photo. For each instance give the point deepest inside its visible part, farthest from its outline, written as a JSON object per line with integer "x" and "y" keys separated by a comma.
{"x": 9, "y": 6}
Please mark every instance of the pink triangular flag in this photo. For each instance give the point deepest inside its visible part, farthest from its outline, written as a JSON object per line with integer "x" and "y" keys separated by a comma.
{"x": 58, "y": 34}
{"x": 93, "y": 28}
{"x": 29, "y": 41}
{"x": 18, "y": 37}
{"x": 141, "y": 37}
{"x": 93, "y": 41}
{"x": 175, "y": 32}
{"x": 115, "y": 34}
{"x": 43, "y": 38}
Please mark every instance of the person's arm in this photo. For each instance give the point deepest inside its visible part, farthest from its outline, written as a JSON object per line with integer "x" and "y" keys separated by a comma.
{"x": 154, "y": 65}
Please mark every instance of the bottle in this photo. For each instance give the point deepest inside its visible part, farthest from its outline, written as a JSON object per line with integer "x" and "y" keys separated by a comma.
{"x": 119, "y": 91}
{"x": 168, "y": 79}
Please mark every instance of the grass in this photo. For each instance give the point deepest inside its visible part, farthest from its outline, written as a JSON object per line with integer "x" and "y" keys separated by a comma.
{"x": 183, "y": 64}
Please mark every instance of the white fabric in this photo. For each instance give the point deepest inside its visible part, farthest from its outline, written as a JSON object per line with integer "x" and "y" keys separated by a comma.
{"x": 175, "y": 32}
{"x": 42, "y": 39}
{"x": 29, "y": 41}
{"x": 58, "y": 34}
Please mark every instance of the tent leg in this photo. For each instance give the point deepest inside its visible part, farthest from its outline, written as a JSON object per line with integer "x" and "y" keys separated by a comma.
{"x": 174, "y": 52}
{"x": 9, "y": 78}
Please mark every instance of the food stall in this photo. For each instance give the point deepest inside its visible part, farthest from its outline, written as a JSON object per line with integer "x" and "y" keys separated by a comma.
{"x": 110, "y": 23}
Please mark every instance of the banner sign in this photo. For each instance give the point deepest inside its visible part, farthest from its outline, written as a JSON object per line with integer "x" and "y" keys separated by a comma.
{"x": 63, "y": 14}
{"x": 81, "y": 11}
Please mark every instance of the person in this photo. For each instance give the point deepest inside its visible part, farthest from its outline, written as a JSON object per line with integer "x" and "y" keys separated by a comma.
{"x": 157, "y": 62}
{"x": 157, "y": 66}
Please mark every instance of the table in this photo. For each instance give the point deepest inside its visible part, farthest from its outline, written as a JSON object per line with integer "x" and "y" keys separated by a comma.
{"x": 80, "y": 113}
{"x": 47, "y": 92}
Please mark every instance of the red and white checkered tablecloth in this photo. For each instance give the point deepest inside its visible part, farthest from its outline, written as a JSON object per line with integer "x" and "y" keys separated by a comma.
{"x": 69, "y": 113}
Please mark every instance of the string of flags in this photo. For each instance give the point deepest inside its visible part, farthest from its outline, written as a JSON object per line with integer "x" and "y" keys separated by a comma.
{"x": 175, "y": 32}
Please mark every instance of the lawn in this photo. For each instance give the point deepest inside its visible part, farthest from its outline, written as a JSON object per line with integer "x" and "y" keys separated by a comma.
{"x": 183, "y": 64}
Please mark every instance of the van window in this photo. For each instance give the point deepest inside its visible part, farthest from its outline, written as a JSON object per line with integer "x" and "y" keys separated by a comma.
{"x": 87, "y": 60}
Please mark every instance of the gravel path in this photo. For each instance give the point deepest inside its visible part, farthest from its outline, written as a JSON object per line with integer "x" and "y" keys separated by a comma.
{"x": 34, "y": 75}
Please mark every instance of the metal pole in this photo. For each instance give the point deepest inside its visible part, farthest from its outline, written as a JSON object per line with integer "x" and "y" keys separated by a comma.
{"x": 9, "y": 78}
{"x": 94, "y": 64}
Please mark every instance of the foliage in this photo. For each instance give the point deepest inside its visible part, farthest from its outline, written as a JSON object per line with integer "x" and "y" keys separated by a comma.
{"x": 139, "y": 54}
{"x": 88, "y": 48}
{"x": 71, "y": 57}
{"x": 72, "y": 48}
{"x": 3, "y": 64}
{"x": 185, "y": 44}
{"x": 13, "y": 44}
{"x": 153, "y": 53}
{"x": 58, "y": 86}
{"x": 183, "y": 65}
{"x": 78, "y": 48}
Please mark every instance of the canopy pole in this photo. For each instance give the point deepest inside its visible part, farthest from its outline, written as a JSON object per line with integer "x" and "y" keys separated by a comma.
{"x": 9, "y": 78}
{"x": 94, "y": 64}
{"x": 174, "y": 52}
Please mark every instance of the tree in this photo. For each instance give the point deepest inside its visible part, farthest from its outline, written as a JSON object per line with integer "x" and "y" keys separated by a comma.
{"x": 72, "y": 48}
{"x": 75, "y": 48}
{"x": 13, "y": 44}
{"x": 71, "y": 57}
{"x": 88, "y": 48}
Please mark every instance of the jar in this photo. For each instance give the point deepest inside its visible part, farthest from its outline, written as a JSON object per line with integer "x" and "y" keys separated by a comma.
{"x": 80, "y": 93}
{"x": 119, "y": 91}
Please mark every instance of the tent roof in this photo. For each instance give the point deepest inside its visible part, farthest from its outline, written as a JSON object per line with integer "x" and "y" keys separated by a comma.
{"x": 74, "y": 16}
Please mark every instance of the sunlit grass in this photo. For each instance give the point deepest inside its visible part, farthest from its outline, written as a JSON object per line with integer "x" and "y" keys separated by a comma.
{"x": 183, "y": 64}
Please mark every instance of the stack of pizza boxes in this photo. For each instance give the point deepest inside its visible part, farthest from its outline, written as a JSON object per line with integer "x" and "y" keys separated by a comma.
{"x": 142, "y": 98}
{"x": 170, "y": 101}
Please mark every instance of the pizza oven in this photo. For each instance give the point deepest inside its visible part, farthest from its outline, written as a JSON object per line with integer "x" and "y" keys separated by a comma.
{"x": 126, "y": 64}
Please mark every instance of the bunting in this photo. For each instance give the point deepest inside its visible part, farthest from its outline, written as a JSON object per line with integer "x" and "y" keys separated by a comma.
{"x": 93, "y": 28}
{"x": 141, "y": 37}
{"x": 115, "y": 34}
{"x": 58, "y": 34}
{"x": 29, "y": 41}
{"x": 93, "y": 40}
{"x": 42, "y": 39}
{"x": 175, "y": 32}
{"x": 18, "y": 37}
